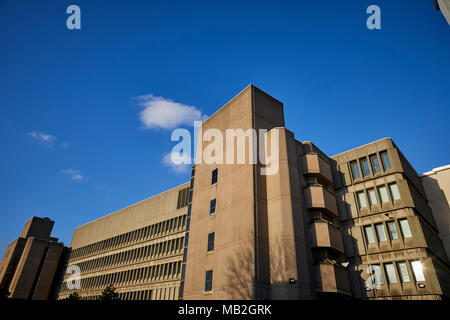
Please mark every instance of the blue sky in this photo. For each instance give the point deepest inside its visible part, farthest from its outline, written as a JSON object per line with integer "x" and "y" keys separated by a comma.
{"x": 74, "y": 146}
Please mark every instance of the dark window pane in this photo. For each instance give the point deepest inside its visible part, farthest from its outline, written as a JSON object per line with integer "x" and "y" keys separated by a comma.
{"x": 385, "y": 160}
{"x": 188, "y": 224}
{"x": 186, "y": 239}
{"x": 212, "y": 207}
{"x": 189, "y": 210}
{"x": 365, "y": 167}
{"x": 208, "y": 280}
{"x": 355, "y": 170}
{"x": 211, "y": 241}
{"x": 214, "y": 176}
{"x": 375, "y": 164}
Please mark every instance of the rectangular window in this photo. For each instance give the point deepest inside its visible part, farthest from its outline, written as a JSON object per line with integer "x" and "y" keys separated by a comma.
{"x": 212, "y": 207}
{"x": 208, "y": 280}
{"x": 393, "y": 230}
{"x": 380, "y": 232}
{"x": 403, "y": 270}
{"x": 383, "y": 194}
{"x": 214, "y": 176}
{"x": 418, "y": 270}
{"x": 385, "y": 160}
{"x": 375, "y": 164}
{"x": 390, "y": 271}
{"x": 406, "y": 231}
{"x": 355, "y": 170}
{"x": 362, "y": 199}
{"x": 211, "y": 241}
{"x": 372, "y": 197}
{"x": 378, "y": 276}
{"x": 394, "y": 191}
{"x": 188, "y": 224}
{"x": 368, "y": 230}
{"x": 365, "y": 167}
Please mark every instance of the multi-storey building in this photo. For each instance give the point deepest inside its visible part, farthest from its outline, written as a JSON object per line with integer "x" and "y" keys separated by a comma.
{"x": 437, "y": 188}
{"x": 388, "y": 227}
{"x": 357, "y": 224}
{"x": 32, "y": 262}
{"x": 138, "y": 249}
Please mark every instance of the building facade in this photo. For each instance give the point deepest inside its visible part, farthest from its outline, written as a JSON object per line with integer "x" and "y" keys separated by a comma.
{"x": 32, "y": 262}
{"x": 437, "y": 188}
{"x": 354, "y": 225}
{"x": 138, "y": 249}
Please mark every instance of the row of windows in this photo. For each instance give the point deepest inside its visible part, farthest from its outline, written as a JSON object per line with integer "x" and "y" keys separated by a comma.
{"x": 211, "y": 236}
{"x": 381, "y": 234}
{"x": 398, "y": 271}
{"x": 183, "y": 196}
{"x": 155, "y": 294}
{"x": 148, "y": 252}
{"x": 166, "y": 271}
{"x": 152, "y": 231}
{"x": 370, "y": 165}
{"x": 380, "y": 194}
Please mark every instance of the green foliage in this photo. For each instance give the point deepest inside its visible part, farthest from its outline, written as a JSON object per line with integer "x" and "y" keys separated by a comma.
{"x": 74, "y": 296}
{"x": 109, "y": 293}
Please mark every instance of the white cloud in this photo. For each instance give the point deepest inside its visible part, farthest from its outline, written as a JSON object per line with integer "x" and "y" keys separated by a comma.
{"x": 42, "y": 137}
{"x": 75, "y": 175}
{"x": 164, "y": 113}
{"x": 178, "y": 163}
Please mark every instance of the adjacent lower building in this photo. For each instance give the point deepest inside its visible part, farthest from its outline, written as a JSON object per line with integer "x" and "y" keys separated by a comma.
{"x": 437, "y": 188}
{"x": 138, "y": 249}
{"x": 295, "y": 224}
{"x": 31, "y": 264}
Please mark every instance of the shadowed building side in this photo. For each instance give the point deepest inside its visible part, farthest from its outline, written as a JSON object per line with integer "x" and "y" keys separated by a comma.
{"x": 29, "y": 267}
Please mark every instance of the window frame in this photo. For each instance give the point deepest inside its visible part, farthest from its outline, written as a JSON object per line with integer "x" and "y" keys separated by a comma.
{"x": 354, "y": 165}
{"x": 369, "y": 227}
{"x": 212, "y": 206}
{"x": 390, "y": 274}
{"x": 374, "y": 165}
{"x": 358, "y": 193}
{"x": 385, "y": 160}
{"x": 208, "y": 282}
{"x": 211, "y": 242}
{"x": 363, "y": 161}
{"x": 380, "y": 194}
{"x": 214, "y": 176}
{"x": 389, "y": 224}
{"x": 377, "y": 229}
{"x": 404, "y": 234}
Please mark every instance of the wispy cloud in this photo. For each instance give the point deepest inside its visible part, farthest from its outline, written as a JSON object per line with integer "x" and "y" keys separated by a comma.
{"x": 75, "y": 175}
{"x": 177, "y": 163}
{"x": 65, "y": 145}
{"x": 43, "y": 138}
{"x": 164, "y": 113}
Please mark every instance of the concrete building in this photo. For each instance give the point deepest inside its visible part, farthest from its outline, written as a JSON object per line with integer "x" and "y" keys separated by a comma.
{"x": 31, "y": 263}
{"x": 444, "y": 7}
{"x": 355, "y": 225}
{"x": 138, "y": 249}
{"x": 437, "y": 188}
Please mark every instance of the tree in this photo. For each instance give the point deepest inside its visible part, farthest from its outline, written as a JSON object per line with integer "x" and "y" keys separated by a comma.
{"x": 74, "y": 296}
{"x": 109, "y": 293}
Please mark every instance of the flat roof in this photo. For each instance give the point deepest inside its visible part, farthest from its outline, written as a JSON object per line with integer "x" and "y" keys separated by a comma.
{"x": 434, "y": 170}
